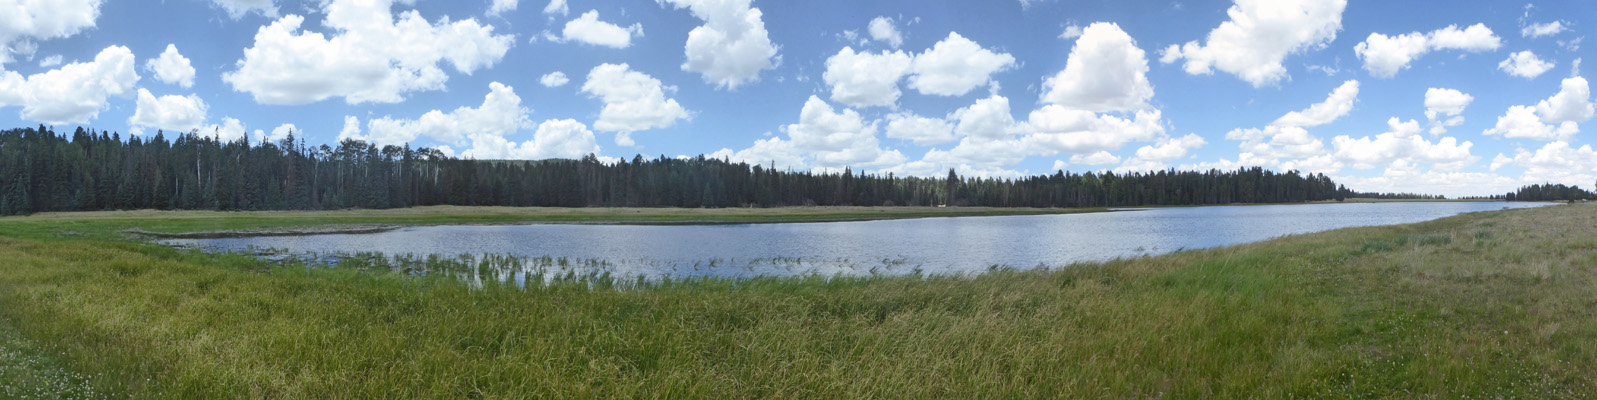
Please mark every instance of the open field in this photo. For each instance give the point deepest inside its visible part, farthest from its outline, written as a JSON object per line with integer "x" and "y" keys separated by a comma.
{"x": 1495, "y": 304}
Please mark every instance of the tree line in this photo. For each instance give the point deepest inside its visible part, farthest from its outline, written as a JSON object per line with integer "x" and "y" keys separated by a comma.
{"x": 1548, "y": 192}
{"x": 41, "y": 170}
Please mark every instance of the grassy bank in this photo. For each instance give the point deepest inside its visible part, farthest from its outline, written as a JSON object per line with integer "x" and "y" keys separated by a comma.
{"x": 1495, "y": 304}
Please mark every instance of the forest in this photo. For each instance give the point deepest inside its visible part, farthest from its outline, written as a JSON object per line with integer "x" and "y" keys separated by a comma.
{"x": 42, "y": 170}
{"x": 1548, "y": 192}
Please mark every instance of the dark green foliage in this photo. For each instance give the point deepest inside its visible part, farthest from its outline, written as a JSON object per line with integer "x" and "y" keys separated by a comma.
{"x": 1550, "y": 192}
{"x": 42, "y": 171}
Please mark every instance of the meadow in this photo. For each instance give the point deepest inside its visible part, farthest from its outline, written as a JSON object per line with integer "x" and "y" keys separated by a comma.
{"x": 1494, "y": 304}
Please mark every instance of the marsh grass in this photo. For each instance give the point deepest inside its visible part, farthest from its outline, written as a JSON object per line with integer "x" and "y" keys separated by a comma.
{"x": 1439, "y": 311}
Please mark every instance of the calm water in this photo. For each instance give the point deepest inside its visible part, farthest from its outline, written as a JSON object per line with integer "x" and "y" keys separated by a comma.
{"x": 933, "y": 245}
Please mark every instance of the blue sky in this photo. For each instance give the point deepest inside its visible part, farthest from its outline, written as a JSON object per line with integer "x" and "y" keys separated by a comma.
{"x": 1473, "y": 98}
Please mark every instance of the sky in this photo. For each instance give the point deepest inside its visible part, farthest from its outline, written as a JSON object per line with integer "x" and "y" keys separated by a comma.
{"x": 1470, "y": 98}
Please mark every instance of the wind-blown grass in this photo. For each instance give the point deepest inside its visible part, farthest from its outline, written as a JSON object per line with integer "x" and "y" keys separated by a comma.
{"x": 1493, "y": 304}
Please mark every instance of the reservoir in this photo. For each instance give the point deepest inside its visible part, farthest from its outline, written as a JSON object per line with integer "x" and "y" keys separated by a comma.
{"x": 948, "y": 246}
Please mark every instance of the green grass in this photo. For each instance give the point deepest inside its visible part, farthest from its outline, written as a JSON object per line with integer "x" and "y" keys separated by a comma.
{"x": 1495, "y": 304}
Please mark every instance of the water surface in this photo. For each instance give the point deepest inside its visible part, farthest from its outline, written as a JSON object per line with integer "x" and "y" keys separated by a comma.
{"x": 931, "y": 245}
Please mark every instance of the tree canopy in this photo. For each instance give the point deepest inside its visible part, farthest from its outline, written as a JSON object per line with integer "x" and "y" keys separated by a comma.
{"x": 41, "y": 170}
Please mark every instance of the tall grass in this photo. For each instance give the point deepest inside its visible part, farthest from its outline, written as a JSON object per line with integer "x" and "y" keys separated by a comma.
{"x": 1441, "y": 311}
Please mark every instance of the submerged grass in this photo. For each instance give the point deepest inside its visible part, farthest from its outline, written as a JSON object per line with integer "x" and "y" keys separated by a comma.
{"x": 1493, "y": 304}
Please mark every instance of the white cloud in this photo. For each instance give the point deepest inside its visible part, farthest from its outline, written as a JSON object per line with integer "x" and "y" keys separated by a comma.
{"x": 1409, "y": 177}
{"x": 230, "y": 129}
{"x": 988, "y": 118}
{"x": 55, "y": 60}
{"x": 955, "y": 66}
{"x": 74, "y": 93}
{"x": 29, "y": 20}
{"x": 1385, "y": 55}
{"x": 502, "y": 6}
{"x": 351, "y": 130}
{"x": 1555, "y": 118}
{"x": 562, "y": 138}
{"x": 1336, "y": 105}
{"x": 500, "y": 114}
{"x": 1556, "y": 161}
{"x": 373, "y": 55}
{"x": 633, "y": 101}
{"x": 557, "y": 7}
{"x": 1440, "y": 104}
{"x": 824, "y": 139}
{"x": 834, "y": 139}
{"x": 173, "y": 113}
{"x": 1522, "y": 122}
{"x": 866, "y": 79}
{"x": 1403, "y": 144}
{"x": 732, "y": 46}
{"x": 1170, "y": 149}
{"x": 1095, "y": 158}
{"x": 237, "y": 8}
{"x": 1060, "y": 129}
{"x": 1071, "y": 32}
{"x": 1105, "y": 72}
{"x": 278, "y": 134}
{"x": 1571, "y": 104}
{"x": 589, "y": 29}
{"x": 1542, "y": 29}
{"x": 553, "y": 79}
{"x": 171, "y": 67}
{"x": 882, "y": 29}
{"x": 1277, "y": 142}
{"x": 1524, "y": 64}
{"x": 920, "y": 130}
{"x": 1259, "y": 35}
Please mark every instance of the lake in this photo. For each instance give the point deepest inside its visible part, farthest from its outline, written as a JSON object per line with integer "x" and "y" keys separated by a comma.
{"x": 931, "y": 245}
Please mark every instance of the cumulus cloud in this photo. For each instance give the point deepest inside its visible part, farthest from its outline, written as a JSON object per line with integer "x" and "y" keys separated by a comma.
{"x": 1286, "y": 138}
{"x": 1259, "y": 35}
{"x": 499, "y": 115}
{"x": 33, "y": 20}
{"x": 955, "y": 66}
{"x": 1555, "y": 118}
{"x": 238, "y": 8}
{"x": 589, "y": 29}
{"x": 1556, "y": 161}
{"x": 372, "y": 55}
{"x": 1445, "y": 108}
{"x": 1336, "y": 105}
{"x": 920, "y": 130}
{"x": 1105, "y": 72}
{"x": 825, "y": 139}
{"x": 501, "y": 6}
{"x": 1095, "y": 158}
{"x": 1071, "y": 32}
{"x": 1524, "y": 64}
{"x": 172, "y": 67}
{"x": 1060, "y": 129}
{"x": 553, "y": 79}
{"x": 1154, "y": 156}
{"x": 987, "y": 118}
{"x": 560, "y": 138}
{"x": 732, "y": 46}
{"x": 230, "y": 129}
{"x": 1385, "y": 55}
{"x": 1402, "y": 143}
{"x": 633, "y": 101}
{"x": 882, "y": 29}
{"x": 74, "y": 93}
{"x": 866, "y": 79}
{"x": 1542, "y": 29}
{"x": 557, "y": 7}
{"x": 173, "y": 113}
{"x": 278, "y": 134}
